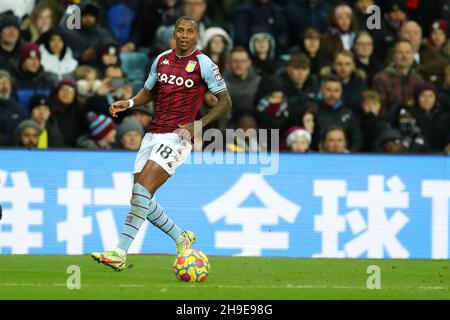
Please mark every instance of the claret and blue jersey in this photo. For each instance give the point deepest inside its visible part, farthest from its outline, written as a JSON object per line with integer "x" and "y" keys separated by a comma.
{"x": 179, "y": 85}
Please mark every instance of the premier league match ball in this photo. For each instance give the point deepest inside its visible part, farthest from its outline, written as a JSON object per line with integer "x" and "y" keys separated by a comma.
{"x": 191, "y": 266}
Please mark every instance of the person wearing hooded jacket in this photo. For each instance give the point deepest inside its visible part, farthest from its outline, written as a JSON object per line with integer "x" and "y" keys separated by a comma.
{"x": 216, "y": 43}
{"x": 263, "y": 52}
{"x": 56, "y": 56}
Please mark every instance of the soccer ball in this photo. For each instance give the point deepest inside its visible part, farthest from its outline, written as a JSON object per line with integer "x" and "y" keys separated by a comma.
{"x": 191, "y": 266}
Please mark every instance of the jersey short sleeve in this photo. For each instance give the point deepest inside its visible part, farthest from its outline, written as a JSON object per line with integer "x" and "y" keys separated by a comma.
{"x": 153, "y": 75}
{"x": 211, "y": 74}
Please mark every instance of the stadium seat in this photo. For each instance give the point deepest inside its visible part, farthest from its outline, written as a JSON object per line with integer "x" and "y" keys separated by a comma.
{"x": 133, "y": 64}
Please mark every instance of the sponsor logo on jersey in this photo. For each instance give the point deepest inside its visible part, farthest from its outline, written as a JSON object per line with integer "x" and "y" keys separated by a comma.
{"x": 191, "y": 66}
{"x": 166, "y": 62}
{"x": 171, "y": 79}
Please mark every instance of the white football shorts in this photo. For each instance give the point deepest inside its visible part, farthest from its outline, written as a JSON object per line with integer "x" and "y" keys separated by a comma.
{"x": 168, "y": 150}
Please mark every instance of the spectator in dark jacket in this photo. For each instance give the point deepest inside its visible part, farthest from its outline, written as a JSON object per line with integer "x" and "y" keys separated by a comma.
{"x": 11, "y": 113}
{"x": 260, "y": 16}
{"x": 31, "y": 78}
{"x": 303, "y": 14}
{"x": 431, "y": 118}
{"x": 271, "y": 104}
{"x": 311, "y": 45}
{"x": 334, "y": 140}
{"x": 10, "y": 42}
{"x": 353, "y": 79}
{"x": 332, "y": 111}
{"x": 102, "y": 133}
{"x": 371, "y": 121}
{"x": 438, "y": 38}
{"x": 67, "y": 113}
{"x": 365, "y": 60}
{"x": 87, "y": 40}
{"x": 299, "y": 85}
{"x": 263, "y": 52}
{"x": 40, "y": 110}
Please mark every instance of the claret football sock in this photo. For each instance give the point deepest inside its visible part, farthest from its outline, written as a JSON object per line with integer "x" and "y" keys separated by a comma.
{"x": 162, "y": 221}
{"x": 140, "y": 203}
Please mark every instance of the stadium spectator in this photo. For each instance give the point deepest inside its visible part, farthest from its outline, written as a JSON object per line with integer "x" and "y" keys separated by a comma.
{"x": 154, "y": 14}
{"x": 310, "y": 44}
{"x": 396, "y": 82}
{"x": 262, "y": 48}
{"x": 260, "y": 16}
{"x": 332, "y": 111}
{"x": 299, "y": 85}
{"x": 10, "y": 42}
{"x": 304, "y": 14}
{"x": 242, "y": 81}
{"x": 365, "y": 60}
{"x": 333, "y": 140}
{"x": 11, "y": 113}
{"x": 67, "y": 114}
{"x": 102, "y": 133}
{"x": 197, "y": 10}
{"x": 109, "y": 55}
{"x": 130, "y": 134}
{"x": 144, "y": 115}
{"x": 217, "y": 44}
{"x": 352, "y": 79}
{"x": 87, "y": 40}
{"x": 298, "y": 140}
{"x": 444, "y": 91}
{"x": 431, "y": 118}
{"x": 428, "y": 62}
{"x": 390, "y": 141}
{"x": 402, "y": 119}
{"x": 40, "y": 21}
{"x": 245, "y": 137}
{"x": 393, "y": 18}
{"x": 87, "y": 82}
{"x": 121, "y": 18}
{"x": 438, "y": 38}
{"x": 164, "y": 40}
{"x": 40, "y": 110}
{"x": 114, "y": 87}
{"x": 271, "y": 104}
{"x": 371, "y": 120}
{"x": 341, "y": 32}
{"x": 30, "y": 78}
{"x": 56, "y": 57}
{"x": 27, "y": 134}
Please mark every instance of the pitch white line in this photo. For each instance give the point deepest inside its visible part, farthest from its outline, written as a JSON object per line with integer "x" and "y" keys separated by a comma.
{"x": 289, "y": 286}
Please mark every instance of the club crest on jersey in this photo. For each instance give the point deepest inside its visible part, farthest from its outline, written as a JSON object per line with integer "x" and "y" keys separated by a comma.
{"x": 191, "y": 66}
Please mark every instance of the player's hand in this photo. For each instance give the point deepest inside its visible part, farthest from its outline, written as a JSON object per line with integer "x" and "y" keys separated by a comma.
{"x": 186, "y": 131}
{"x": 117, "y": 107}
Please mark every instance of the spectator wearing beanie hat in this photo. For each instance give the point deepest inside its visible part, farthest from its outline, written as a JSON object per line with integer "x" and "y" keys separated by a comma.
{"x": 68, "y": 113}
{"x": 431, "y": 119}
{"x": 130, "y": 134}
{"x": 27, "y": 134}
{"x": 31, "y": 78}
{"x": 298, "y": 140}
{"x": 40, "y": 109}
{"x": 438, "y": 38}
{"x": 102, "y": 133}
{"x": 10, "y": 42}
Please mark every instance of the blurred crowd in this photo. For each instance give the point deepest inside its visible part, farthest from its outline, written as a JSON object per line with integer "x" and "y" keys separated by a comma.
{"x": 316, "y": 70}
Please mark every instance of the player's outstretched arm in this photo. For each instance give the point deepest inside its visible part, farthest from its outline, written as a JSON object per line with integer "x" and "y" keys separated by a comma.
{"x": 143, "y": 97}
{"x": 223, "y": 105}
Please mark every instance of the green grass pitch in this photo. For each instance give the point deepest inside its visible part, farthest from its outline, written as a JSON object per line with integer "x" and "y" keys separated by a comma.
{"x": 151, "y": 277}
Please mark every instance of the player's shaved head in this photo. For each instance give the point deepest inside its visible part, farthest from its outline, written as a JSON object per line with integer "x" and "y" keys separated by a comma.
{"x": 187, "y": 18}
